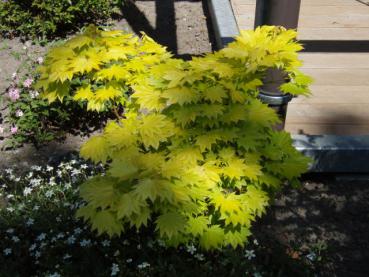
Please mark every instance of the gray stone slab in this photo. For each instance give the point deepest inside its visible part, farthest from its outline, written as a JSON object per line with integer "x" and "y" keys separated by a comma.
{"x": 333, "y": 153}
{"x": 224, "y": 22}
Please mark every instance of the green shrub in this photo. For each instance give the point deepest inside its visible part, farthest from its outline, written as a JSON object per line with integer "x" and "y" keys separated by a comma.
{"x": 196, "y": 153}
{"x": 31, "y": 119}
{"x": 50, "y": 18}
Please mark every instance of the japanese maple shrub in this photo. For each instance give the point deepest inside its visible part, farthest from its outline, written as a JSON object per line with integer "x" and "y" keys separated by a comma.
{"x": 196, "y": 153}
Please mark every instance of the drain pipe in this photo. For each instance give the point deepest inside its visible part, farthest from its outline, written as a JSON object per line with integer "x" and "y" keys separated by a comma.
{"x": 280, "y": 13}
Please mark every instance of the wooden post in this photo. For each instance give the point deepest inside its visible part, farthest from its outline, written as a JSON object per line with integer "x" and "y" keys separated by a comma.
{"x": 280, "y": 13}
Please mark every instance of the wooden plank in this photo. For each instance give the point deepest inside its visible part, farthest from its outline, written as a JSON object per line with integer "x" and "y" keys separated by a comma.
{"x": 335, "y": 60}
{"x": 327, "y": 129}
{"x": 331, "y": 21}
{"x": 323, "y": 113}
{"x": 339, "y": 77}
{"x": 333, "y": 33}
{"x": 309, "y": 2}
{"x": 335, "y": 95}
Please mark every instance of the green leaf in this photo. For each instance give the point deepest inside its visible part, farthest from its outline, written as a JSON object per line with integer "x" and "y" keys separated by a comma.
{"x": 96, "y": 149}
{"x": 170, "y": 224}
{"x": 213, "y": 237}
{"x": 99, "y": 192}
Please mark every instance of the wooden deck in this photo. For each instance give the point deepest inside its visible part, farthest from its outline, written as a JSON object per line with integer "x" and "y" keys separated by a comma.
{"x": 340, "y": 95}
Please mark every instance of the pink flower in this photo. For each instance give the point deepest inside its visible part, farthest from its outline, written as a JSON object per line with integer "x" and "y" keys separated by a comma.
{"x": 27, "y": 83}
{"x": 14, "y": 94}
{"x": 40, "y": 60}
{"x": 13, "y": 130}
{"x": 19, "y": 113}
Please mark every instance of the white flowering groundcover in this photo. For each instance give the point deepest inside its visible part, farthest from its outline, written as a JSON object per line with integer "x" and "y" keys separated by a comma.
{"x": 40, "y": 235}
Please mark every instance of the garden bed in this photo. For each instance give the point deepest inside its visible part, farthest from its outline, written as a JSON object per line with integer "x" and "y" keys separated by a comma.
{"x": 320, "y": 229}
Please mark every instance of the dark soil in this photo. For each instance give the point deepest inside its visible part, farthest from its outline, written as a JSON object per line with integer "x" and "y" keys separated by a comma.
{"x": 328, "y": 210}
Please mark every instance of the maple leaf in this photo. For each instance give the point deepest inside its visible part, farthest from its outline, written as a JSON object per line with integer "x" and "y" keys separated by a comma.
{"x": 122, "y": 169}
{"x": 96, "y": 149}
{"x": 79, "y": 42}
{"x": 106, "y": 222}
{"x": 115, "y": 71}
{"x": 107, "y": 93}
{"x": 180, "y": 95}
{"x": 99, "y": 191}
{"x": 237, "y": 238}
{"x": 155, "y": 128}
{"x": 170, "y": 224}
{"x": 84, "y": 63}
{"x": 127, "y": 204}
{"x": 215, "y": 94}
{"x": 84, "y": 93}
{"x": 197, "y": 225}
{"x": 213, "y": 237}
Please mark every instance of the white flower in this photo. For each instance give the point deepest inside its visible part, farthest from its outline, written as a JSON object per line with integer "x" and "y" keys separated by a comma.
{"x": 85, "y": 242}
{"x": 49, "y": 193}
{"x": 55, "y": 274}
{"x": 41, "y": 237}
{"x": 256, "y": 242}
{"x": 10, "y": 231}
{"x": 77, "y": 230}
{"x": 116, "y": 253}
{"x": 250, "y": 254}
{"x": 36, "y": 207}
{"x": 30, "y": 222}
{"x": 37, "y": 254}
{"x": 191, "y": 249}
{"x": 129, "y": 260}
{"x": 105, "y": 243}
{"x": 36, "y": 167}
{"x": 15, "y": 239}
{"x": 67, "y": 256}
{"x": 84, "y": 166}
{"x": 76, "y": 171}
{"x": 40, "y": 60}
{"x": 143, "y": 265}
{"x": 7, "y": 251}
{"x": 27, "y": 191}
{"x": 58, "y": 219}
{"x": 114, "y": 269}
{"x": 71, "y": 239}
{"x": 60, "y": 235}
{"x": 10, "y": 196}
{"x": 10, "y": 209}
{"x": 200, "y": 257}
{"x": 1, "y": 130}
{"x": 33, "y": 94}
{"x": 125, "y": 242}
{"x": 311, "y": 256}
{"x": 35, "y": 182}
{"x": 14, "y": 75}
{"x": 257, "y": 274}
{"x": 49, "y": 168}
{"x": 19, "y": 113}
{"x": 139, "y": 246}
{"x": 32, "y": 247}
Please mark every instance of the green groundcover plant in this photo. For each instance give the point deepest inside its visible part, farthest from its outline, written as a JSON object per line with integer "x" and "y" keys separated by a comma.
{"x": 40, "y": 236}
{"x": 195, "y": 153}
{"x": 50, "y": 18}
{"x": 31, "y": 119}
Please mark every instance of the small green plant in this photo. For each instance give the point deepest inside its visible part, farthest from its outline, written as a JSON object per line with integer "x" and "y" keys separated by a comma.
{"x": 195, "y": 153}
{"x": 48, "y": 19}
{"x": 31, "y": 119}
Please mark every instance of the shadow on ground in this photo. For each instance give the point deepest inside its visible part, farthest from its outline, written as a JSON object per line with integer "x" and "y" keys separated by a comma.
{"x": 330, "y": 210}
